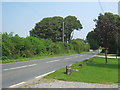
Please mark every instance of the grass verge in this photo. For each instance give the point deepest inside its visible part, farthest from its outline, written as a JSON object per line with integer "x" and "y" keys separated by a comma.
{"x": 33, "y": 58}
{"x": 96, "y": 71}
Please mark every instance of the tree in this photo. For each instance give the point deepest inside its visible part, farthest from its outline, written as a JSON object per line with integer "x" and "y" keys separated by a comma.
{"x": 48, "y": 28}
{"x": 118, "y": 34}
{"x": 106, "y": 24}
{"x": 105, "y": 30}
{"x": 92, "y": 40}
{"x": 71, "y": 24}
{"x": 52, "y": 28}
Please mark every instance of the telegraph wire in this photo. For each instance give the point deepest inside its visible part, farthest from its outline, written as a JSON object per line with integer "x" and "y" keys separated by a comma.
{"x": 101, "y": 6}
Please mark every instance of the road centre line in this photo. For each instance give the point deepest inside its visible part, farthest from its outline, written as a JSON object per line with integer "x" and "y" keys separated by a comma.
{"x": 53, "y": 61}
{"x": 68, "y": 58}
{"x": 17, "y": 84}
{"x": 44, "y": 74}
{"x": 19, "y": 67}
{"x": 32, "y": 65}
{"x": 75, "y": 57}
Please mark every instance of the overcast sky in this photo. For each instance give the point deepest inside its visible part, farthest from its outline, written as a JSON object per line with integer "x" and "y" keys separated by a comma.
{"x": 20, "y": 17}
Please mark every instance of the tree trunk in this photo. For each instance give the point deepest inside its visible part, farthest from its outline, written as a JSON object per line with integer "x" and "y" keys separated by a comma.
{"x": 116, "y": 56}
{"x": 106, "y": 56}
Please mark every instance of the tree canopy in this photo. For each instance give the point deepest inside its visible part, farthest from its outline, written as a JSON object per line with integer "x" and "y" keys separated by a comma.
{"x": 92, "y": 40}
{"x": 52, "y": 28}
{"x": 106, "y": 32}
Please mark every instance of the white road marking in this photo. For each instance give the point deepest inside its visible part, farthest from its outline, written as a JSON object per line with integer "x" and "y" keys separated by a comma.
{"x": 67, "y": 58}
{"x": 16, "y": 84}
{"x": 32, "y": 65}
{"x": 44, "y": 74}
{"x": 52, "y": 61}
{"x": 94, "y": 55}
{"x": 19, "y": 67}
{"x": 88, "y": 58}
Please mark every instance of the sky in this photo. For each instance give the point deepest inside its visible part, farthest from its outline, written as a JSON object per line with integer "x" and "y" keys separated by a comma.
{"x": 20, "y": 17}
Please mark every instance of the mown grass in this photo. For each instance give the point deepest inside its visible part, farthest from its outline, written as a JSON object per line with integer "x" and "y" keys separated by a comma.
{"x": 96, "y": 71}
{"x": 102, "y": 54}
{"x": 34, "y": 58}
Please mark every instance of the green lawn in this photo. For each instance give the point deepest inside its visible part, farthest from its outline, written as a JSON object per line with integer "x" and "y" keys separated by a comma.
{"x": 94, "y": 72}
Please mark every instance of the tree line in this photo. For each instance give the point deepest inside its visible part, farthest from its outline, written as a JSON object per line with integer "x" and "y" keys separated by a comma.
{"x": 14, "y": 47}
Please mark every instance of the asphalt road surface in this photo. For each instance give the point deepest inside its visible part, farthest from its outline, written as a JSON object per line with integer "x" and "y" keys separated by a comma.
{"x": 18, "y": 73}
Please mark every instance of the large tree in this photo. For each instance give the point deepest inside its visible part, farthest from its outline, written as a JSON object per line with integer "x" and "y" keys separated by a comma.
{"x": 71, "y": 24}
{"x": 106, "y": 31}
{"x": 52, "y": 28}
{"x": 48, "y": 28}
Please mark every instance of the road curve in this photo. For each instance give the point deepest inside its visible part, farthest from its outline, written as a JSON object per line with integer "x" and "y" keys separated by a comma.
{"x": 19, "y": 72}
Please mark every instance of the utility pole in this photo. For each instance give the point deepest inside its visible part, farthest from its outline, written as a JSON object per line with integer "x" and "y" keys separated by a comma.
{"x": 63, "y": 33}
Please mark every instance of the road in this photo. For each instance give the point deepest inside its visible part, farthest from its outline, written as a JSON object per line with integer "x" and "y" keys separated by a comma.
{"x": 20, "y": 72}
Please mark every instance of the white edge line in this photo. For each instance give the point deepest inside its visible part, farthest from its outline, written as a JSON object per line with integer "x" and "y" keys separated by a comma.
{"x": 17, "y": 84}
{"x": 70, "y": 65}
{"x": 88, "y": 58}
{"x": 44, "y": 74}
{"x": 94, "y": 55}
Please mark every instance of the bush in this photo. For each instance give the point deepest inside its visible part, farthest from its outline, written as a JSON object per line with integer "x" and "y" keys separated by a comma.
{"x": 4, "y": 58}
{"x": 80, "y": 46}
{"x": 14, "y": 47}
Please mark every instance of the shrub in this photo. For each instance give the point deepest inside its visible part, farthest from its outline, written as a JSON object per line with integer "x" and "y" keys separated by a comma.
{"x": 15, "y": 47}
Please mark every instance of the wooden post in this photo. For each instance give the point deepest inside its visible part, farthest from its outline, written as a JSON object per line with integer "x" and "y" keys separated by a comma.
{"x": 81, "y": 65}
{"x": 68, "y": 70}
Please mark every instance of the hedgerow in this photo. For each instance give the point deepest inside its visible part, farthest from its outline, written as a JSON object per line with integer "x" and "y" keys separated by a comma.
{"x": 14, "y": 47}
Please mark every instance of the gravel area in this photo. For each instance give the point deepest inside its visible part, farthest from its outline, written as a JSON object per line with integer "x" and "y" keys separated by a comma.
{"x": 46, "y": 83}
